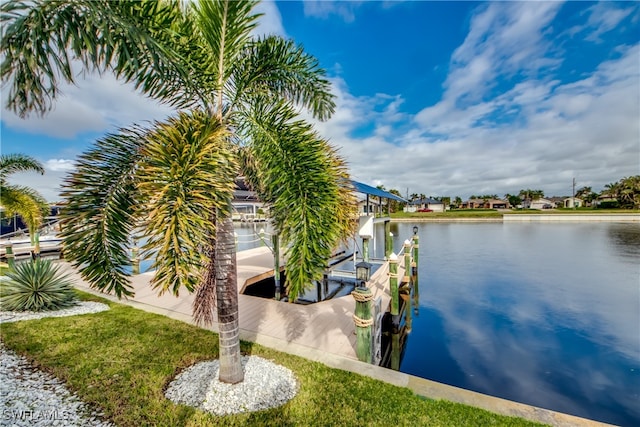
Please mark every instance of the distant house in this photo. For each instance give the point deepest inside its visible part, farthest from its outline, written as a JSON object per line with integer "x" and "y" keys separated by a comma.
{"x": 485, "y": 204}
{"x": 606, "y": 198}
{"x": 539, "y": 204}
{"x": 426, "y": 203}
{"x": 573, "y": 202}
{"x": 558, "y": 202}
{"x": 246, "y": 205}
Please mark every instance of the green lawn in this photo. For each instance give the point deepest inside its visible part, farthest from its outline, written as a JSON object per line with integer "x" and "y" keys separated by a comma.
{"x": 492, "y": 213}
{"x": 457, "y": 213}
{"x": 121, "y": 360}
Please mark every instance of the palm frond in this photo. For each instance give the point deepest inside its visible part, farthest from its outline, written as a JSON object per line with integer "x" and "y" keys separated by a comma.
{"x": 279, "y": 68}
{"x": 186, "y": 176}
{"x": 26, "y": 202}
{"x": 41, "y": 42}
{"x": 226, "y": 28}
{"x": 12, "y": 163}
{"x": 98, "y": 218}
{"x": 303, "y": 181}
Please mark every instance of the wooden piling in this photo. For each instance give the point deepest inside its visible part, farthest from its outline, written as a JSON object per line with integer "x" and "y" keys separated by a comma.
{"x": 365, "y": 249}
{"x": 415, "y": 252}
{"x": 414, "y": 274}
{"x": 393, "y": 284}
{"x": 407, "y": 261}
{"x": 276, "y": 265}
{"x": 388, "y": 239}
{"x": 135, "y": 259}
{"x": 395, "y": 349}
{"x": 364, "y": 322}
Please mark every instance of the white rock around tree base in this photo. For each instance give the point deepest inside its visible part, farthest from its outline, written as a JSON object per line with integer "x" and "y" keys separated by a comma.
{"x": 266, "y": 385}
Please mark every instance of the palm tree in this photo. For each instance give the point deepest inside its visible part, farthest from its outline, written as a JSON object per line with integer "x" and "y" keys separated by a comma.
{"x": 19, "y": 199}
{"x": 174, "y": 179}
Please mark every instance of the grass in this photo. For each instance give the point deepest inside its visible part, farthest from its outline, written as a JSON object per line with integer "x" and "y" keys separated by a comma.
{"x": 457, "y": 213}
{"x": 492, "y": 213}
{"x": 120, "y": 361}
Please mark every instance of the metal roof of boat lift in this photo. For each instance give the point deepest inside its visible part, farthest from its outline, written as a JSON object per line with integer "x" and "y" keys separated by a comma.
{"x": 367, "y": 189}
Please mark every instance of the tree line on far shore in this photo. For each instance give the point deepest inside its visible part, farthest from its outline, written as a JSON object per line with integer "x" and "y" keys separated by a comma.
{"x": 624, "y": 194}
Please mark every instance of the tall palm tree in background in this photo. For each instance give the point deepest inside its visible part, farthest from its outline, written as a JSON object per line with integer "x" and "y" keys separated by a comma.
{"x": 19, "y": 199}
{"x": 238, "y": 98}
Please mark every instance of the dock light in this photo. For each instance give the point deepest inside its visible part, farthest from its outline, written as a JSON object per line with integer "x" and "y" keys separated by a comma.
{"x": 415, "y": 230}
{"x": 363, "y": 272}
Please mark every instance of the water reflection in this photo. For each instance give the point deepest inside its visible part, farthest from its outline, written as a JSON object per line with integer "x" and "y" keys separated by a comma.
{"x": 546, "y": 314}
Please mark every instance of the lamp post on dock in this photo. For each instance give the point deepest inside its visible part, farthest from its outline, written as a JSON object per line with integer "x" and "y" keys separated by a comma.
{"x": 363, "y": 272}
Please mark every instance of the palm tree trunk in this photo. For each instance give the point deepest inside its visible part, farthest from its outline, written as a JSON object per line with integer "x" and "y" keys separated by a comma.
{"x": 227, "y": 302}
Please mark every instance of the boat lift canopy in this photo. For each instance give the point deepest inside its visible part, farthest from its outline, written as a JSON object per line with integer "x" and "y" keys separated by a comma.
{"x": 373, "y": 191}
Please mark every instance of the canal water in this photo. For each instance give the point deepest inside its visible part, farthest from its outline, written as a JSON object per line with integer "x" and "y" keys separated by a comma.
{"x": 543, "y": 314}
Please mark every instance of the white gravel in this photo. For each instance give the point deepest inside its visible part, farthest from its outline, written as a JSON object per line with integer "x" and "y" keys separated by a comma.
{"x": 266, "y": 385}
{"x": 30, "y": 397}
{"x": 85, "y": 307}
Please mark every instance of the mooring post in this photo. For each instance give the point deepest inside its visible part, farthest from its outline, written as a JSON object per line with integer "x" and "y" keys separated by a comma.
{"x": 395, "y": 349}
{"x": 415, "y": 253}
{"x": 408, "y": 311}
{"x": 393, "y": 284}
{"x": 364, "y": 322}
{"x": 388, "y": 239}
{"x": 135, "y": 259}
{"x": 407, "y": 261}
{"x": 276, "y": 265}
{"x": 365, "y": 249}
{"x": 414, "y": 266}
{"x": 11, "y": 257}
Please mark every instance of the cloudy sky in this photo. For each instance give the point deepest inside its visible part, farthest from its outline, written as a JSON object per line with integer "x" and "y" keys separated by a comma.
{"x": 439, "y": 98}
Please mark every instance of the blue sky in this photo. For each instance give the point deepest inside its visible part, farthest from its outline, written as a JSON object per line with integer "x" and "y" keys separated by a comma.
{"x": 440, "y": 98}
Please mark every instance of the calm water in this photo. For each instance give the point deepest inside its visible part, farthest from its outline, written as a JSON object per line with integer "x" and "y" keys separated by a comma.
{"x": 544, "y": 314}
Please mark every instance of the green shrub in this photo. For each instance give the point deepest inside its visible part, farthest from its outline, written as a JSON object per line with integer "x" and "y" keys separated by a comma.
{"x": 36, "y": 286}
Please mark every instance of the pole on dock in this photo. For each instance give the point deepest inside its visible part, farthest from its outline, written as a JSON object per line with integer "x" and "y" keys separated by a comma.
{"x": 415, "y": 253}
{"x": 395, "y": 349}
{"x": 364, "y": 322}
{"x": 276, "y": 265}
{"x": 393, "y": 284}
{"x": 388, "y": 239}
{"x": 135, "y": 259}
{"x": 407, "y": 261}
{"x": 11, "y": 257}
{"x": 414, "y": 266}
{"x": 365, "y": 249}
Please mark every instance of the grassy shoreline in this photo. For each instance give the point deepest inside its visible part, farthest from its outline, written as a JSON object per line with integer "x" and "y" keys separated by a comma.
{"x": 119, "y": 361}
{"x": 492, "y": 214}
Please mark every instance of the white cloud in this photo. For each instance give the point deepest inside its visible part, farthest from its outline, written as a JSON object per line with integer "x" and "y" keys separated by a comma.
{"x": 59, "y": 165}
{"x": 538, "y": 134}
{"x": 271, "y": 20}
{"x": 603, "y": 18}
{"x": 96, "y": 104}
{"x": 324, "y": 9}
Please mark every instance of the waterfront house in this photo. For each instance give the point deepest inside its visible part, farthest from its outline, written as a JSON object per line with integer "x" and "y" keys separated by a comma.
{"x": 422, "y": 204}
{"x": 539, "y": 204}
{"x": 573, "y": 202}
{"x": 485, "y": 204}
